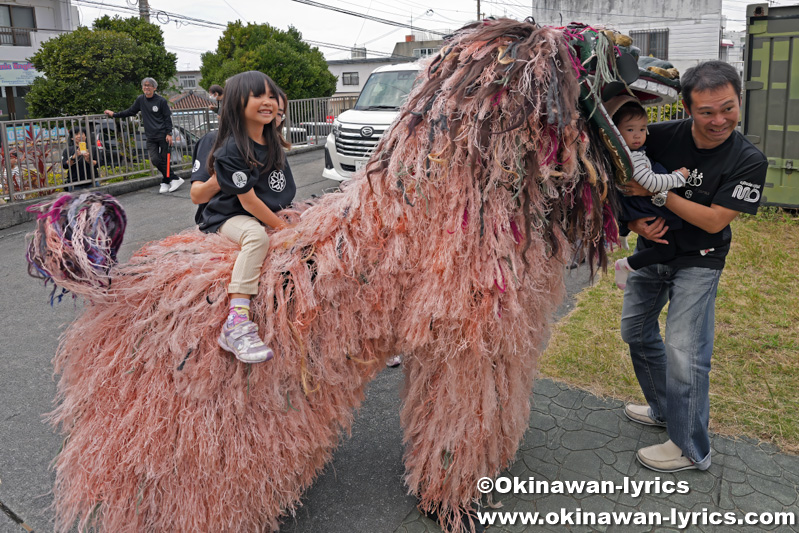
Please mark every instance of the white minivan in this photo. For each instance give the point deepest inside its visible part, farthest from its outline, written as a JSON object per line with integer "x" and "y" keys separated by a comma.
{"x": 357, "y": 131}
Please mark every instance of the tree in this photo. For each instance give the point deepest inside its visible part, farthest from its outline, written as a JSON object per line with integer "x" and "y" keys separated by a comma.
{"x": 296, "y": 67}
{"x": 89, "y": 70}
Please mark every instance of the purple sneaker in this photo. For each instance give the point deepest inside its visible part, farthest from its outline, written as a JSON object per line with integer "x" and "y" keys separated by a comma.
{"x": 242, "y": 340}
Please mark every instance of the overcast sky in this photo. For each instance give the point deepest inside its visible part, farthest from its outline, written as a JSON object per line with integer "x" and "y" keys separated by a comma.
{"x": 319, "y": 25}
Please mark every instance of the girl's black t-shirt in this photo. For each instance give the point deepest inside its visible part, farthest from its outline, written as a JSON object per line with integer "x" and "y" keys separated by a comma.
{"x": 274, "y": 187}
{"x": 731, "y": 175}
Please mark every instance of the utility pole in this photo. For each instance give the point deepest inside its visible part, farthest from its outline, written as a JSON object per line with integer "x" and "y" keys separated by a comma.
{"x": 144, "y": 10}
{"x": 478, "y": 9}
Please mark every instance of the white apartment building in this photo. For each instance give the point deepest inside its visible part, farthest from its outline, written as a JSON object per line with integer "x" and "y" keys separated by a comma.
{"x": 24, "y": 25}
{"x": 684, "y": 32}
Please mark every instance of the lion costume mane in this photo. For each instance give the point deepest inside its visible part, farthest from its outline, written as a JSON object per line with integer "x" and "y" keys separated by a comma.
{"x": 449, "y": 248}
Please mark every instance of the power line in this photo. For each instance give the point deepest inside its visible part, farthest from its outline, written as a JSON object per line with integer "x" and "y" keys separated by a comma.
{"x": 349, "y": 49}
{"x": 164, "y": 17}
{"x": 368, "y": 17}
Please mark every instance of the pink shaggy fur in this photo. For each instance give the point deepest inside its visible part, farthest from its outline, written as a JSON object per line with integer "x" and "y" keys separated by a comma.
{"x": 450, "y": 250}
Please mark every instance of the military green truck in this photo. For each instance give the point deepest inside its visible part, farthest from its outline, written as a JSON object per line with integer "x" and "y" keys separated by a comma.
{"x": 770, "y": 118}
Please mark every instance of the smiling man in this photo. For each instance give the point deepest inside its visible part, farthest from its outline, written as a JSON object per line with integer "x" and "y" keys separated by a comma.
{"x": 157, "y": 119}
{"x": 727, "y": 174}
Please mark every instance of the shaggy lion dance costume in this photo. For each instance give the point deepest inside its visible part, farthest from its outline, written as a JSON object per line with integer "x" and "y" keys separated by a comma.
{"x": 449, "y": 249}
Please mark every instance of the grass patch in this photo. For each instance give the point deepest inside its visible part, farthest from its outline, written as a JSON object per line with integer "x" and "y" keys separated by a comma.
{"x": 755, "y": 365}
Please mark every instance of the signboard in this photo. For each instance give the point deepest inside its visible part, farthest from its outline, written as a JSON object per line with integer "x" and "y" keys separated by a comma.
{"x": 32, "y": 134}
{"x": 17, "y": 73}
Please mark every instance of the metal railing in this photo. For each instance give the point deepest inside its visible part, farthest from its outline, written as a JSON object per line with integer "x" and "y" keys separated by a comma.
{"x": 309, "y": 121}
{"x": 38, "y": 152}
{"x": 662, "y": 113}
{"x": 37, "y": 147}
{"x": 11, "y": 36}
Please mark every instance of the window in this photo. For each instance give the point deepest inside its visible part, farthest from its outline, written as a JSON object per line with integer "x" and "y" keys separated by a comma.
{"x": 653, "y": 43}
{"x": 424, "y": 52}
{"x": 16, "y": 24}
{"x": 350, "y": 78}
{"x": 188, "y": 82}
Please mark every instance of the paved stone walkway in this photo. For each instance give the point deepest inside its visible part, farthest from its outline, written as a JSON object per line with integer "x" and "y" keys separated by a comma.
{"x": 574, "y": 436}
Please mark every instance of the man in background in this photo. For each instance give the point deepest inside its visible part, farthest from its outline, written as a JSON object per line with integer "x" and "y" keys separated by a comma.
{"x": 157, "y": 118}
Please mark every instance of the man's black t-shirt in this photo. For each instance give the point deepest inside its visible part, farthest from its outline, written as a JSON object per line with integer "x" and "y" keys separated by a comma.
{"x": 155, "y": 114}
{"x": 731, "y": 175}
{"x": 272, "y": 186}
{"x": 199, "y": 170}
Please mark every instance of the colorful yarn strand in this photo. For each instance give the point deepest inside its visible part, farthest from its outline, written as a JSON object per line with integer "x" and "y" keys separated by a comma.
{"x": 76, "y": 241}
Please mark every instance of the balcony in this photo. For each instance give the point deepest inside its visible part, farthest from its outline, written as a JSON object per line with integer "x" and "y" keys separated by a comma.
{"x": 10, "y": 36}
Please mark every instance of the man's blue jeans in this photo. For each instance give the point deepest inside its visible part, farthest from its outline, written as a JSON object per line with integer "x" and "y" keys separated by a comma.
{"x": 674, "y": 376}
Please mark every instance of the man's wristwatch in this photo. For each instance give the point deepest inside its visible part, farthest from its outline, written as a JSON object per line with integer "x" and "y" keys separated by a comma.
{"x": 659, "y": 199}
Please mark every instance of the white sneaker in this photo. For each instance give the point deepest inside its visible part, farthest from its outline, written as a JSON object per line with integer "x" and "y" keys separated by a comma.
{"x": 242, "y": 340}
{"x": 394, "y": 361}
{"x": 174, "y": 184}
{"x": 164, "y": 188}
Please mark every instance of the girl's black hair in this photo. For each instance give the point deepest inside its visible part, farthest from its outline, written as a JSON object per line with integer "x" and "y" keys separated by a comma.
{"x": 232, "y": 123}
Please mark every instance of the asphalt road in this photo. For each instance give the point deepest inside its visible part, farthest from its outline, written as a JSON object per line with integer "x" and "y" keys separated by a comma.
{"x": 361, "y": 490}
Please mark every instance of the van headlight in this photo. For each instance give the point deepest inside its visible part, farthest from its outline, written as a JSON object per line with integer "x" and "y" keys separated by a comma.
{"x": 336, "y": 129}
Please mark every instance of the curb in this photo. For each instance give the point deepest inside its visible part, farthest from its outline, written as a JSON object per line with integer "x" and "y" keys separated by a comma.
{"x": 14, "y": 213}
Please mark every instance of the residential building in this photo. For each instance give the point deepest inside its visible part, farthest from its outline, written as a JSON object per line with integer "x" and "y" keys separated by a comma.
{"x": 190, "y": 100}
{"x": 189, "y": 81}
{"x": 352, "y": 73}
{"x": 732, "y": 49}
{"x": 24, "y": 25}
{"x": 684, "y": 32}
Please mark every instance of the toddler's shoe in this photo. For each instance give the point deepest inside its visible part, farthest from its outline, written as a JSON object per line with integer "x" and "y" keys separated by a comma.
{"x": 242, "y": 340}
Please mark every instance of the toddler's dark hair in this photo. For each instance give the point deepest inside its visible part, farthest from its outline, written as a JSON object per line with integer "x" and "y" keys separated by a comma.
{"x": 628, "y": 111}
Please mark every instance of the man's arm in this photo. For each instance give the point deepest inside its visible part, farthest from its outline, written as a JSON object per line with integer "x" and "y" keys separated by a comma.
{"x": 712, "y": 219}
{"x": 129, "y": 112}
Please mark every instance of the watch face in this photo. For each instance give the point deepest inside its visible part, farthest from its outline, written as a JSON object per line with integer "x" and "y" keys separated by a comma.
{"x": 659, "y": 200}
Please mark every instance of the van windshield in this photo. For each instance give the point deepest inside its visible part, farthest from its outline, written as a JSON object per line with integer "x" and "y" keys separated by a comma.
{"x": 386, "y": 90}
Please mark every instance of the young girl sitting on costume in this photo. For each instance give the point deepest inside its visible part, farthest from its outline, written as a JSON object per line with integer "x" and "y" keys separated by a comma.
{"x": 250, "y": 168}
{"x": 631, "y": 120}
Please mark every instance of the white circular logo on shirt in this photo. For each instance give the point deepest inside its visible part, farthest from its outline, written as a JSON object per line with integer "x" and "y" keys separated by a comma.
{"x": 196, "y": 166}
{"x": 689, "y": 193}
{"x": 277, "y": 180}
{"x": 239, "y": 179}
{"x": 155, "y": 109}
